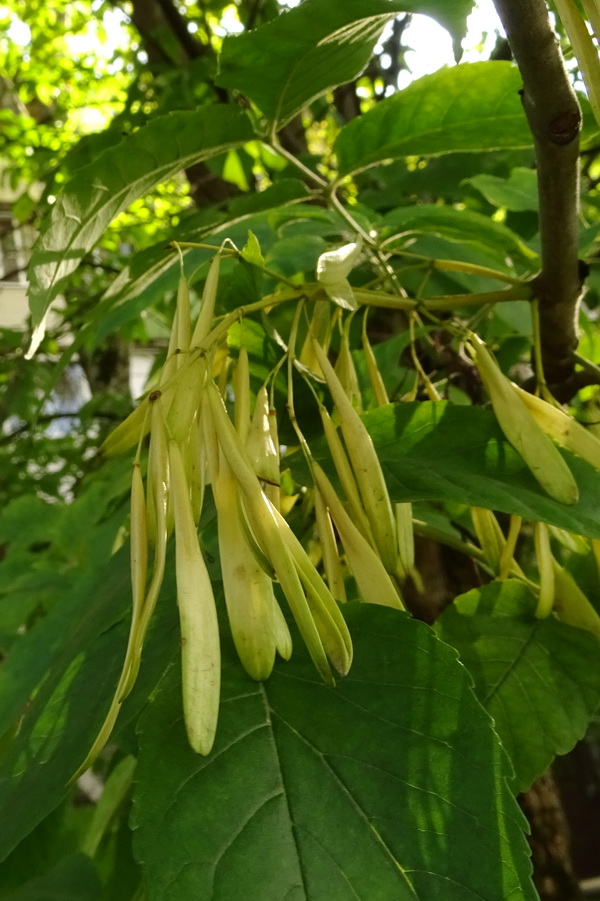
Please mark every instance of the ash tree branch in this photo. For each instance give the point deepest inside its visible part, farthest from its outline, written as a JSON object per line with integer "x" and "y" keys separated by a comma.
{"x": 554, "y": 118}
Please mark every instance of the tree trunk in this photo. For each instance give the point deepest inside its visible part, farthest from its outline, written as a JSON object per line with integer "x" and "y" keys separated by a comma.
{"x": 550, "y": 842}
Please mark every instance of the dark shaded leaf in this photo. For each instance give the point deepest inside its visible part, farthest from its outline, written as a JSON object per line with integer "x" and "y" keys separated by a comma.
{"x": 72, "y": 879}
{"x": 538, "y": 679}
{"x": 517, "y": 193}
{"x": 56, "y": 686}
{"x": 389, "y": 786}
{"x": 439, "y": 451}
{"x": 458, "y": 225}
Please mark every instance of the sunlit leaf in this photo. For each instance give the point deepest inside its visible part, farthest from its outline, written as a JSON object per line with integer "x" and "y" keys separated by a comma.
{"x": 120, "y": 175}
{"x": 315, "y": 46}
{"x": 474, "y": 106}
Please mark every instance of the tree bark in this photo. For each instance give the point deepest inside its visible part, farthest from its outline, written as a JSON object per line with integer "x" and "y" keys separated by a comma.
{"x": 550, "y": 842}
{"x": 554, "y": 118}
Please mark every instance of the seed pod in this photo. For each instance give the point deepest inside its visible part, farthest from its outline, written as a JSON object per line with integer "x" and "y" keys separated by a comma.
{"x": 367, "y": 469}
{"x": 241, "y": 391}
{"x": 507, "y": 561}
{"x": 139, "y": 571}
{"x": 330, "y": 623}
{"x": 492, "y": 542}
{"x": 283, "y": 639}
{"x": 139, "y": 564}
{"x": 263, "y": 454}
{"x": 320, "y": 330}
{"x": 219, "y": 362}
{"x": 562, "y": 427}
{"x": 139, "y": 542}
{"x": 200, "y": 648}
{"x": 521, "y": 430}
{"x": 207, "y": 307}
{"x": 256, "y": 550}
{"x": 346, "y": 371}
{"x": 158, "y": 488}
{"x": 374, "y": 583}
{"x": 127, "y": 433}
{"x": 345, "y": 474}
{"x": 183, "y": 319}
{"x": 173, "y": 358}
{"x": 210, "y": 444}
{"x": 577, "y": 544}
{"x": 101, "y": 739}
{"x": 377, "y": 383}
{"x": 545, "y": 563}
{"x": 248, "y": 590}
{"x": 571, "y": 604}
{"x": 195, "y": 461}
{"x": 265, "y": 527}
{"x": 489, "y": 535}
{"x": 406, "y": 539}
{"x": 186, "y": 401}
{"x": 331, "y": 558}
{"x": 273, "y": 492}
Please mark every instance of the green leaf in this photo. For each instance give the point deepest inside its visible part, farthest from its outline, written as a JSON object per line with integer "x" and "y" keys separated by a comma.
{"x": 72, "y": 879}
{"x": 283, "y": 192}
{"x": 120, "y": 175}
{"x": 433, "y": 247}
{"x": 474, "y": 106}
{"x": 390, "y": 786}
{"x": 303, "y": 52}
{"x": 439, "y": 451}
{"x": 84, "y": 153}
{"x": 76, "y": 619}
{"x": 539, "y": 679}
{"x": 49, "y": 687}
{"x": 251, "y": 251}
{"x": 458, "y": 225}
{"x": 57, "y": 684}
{"x": 518, "y": 192}
{"x": 590, "y": 130}
{"x": 295, "y": 254}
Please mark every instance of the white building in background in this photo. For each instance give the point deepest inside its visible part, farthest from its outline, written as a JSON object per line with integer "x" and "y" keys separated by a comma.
{"x": 15, "y": 245}
{"x": 15, "y": 240}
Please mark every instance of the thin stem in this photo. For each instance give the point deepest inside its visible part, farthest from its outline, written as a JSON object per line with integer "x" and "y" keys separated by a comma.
{"x": 339, "y": 207}
{"x": 508, "y": 551}
{"x": 458, "y": 266}
{"x": 234, "y": 252}
{"x": 291, "y": 357}
{"x": 270, "y": 301}
{"x": 542, "y": 388}
{"x": 452, "y": 301}
{"x": 294, "y": 161}
{"x": 587, "y": 364}
{"x": 432, "y": 392}
{"x": 465, "y": 547}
